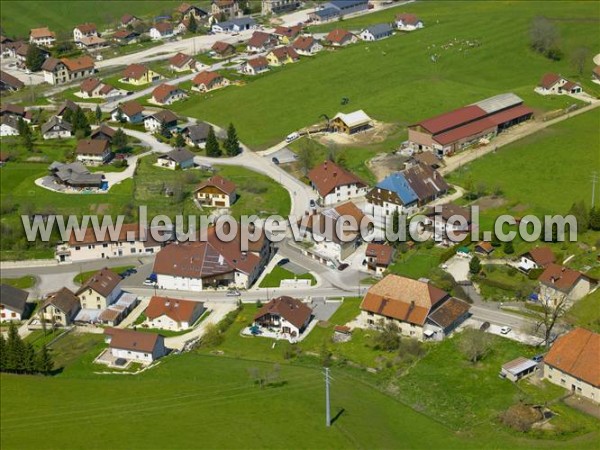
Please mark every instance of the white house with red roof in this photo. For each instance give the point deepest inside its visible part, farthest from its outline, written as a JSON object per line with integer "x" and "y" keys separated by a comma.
{"x": 172, "y": 313}
{"x": 408, "y": 22}
{"x": 335, "y": 184}
{"x": 555, "y": 84}
{"x": 216, "y": 192}
{"x": 561, "y": 286}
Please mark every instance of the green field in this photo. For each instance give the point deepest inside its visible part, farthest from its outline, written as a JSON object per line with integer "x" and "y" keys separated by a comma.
{"x": 25, "y": 282}
{"x": 586, "y": 312}
{"x": 274, "y": 278}
{"x": 395, "y": 81}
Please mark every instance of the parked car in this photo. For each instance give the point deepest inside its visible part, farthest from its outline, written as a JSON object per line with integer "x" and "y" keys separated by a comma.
{"x": 149, "y": 282}
{"x": 505, "y": 330}
{"x": 233, "y": 293}
{"x": 283, "y": 261}
{"x": 292, "y": 137}
{"x": 538, "y": 358}
{"x": 343, "y": 266}
{"x": 484, "y": 326}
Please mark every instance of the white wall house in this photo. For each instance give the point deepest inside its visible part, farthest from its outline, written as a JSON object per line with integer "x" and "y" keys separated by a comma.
{"x": 135, "y": 345}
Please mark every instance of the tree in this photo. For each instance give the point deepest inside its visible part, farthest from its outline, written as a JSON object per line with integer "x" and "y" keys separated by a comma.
{"x": 80, "y": 123}
{"x": 212, "y": 336}
{"x": 212, "y": 145}
{"x": 545, "y": 38}
{"x": 34, "y": 58}
{"x": 595, "y": 219}
{"x": 579, "y": 58}
{"x": 232, "y": 144}
{"x": 552, "y": 309}
{"x": 389, "y": 338}
{"x": 164, "y": 129}
{"x": 475, "y": 265}
{"x": 98, "y": 114}
{"x": 120, "y": 116}
{"x": 119, "y": 140}
{"x": 12, "y": 349}
{"x": 179, "y": 141}
{"x": 2, "y": 353}
{"x": 581, "y": 213}
{"x": 306, "y": 156}
{"x": 509, "y": 249}
{"x": 26, "y": 135}
{"x": 29, "y": 358}
{"x": 44, "y": 363}
{"x": 192, "y": 24}
{"x": 475, "y": 344}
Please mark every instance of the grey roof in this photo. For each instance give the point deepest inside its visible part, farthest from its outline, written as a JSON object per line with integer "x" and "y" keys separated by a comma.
{"x": 10, "y": 121}
{"x": 56, "y": 121}
{"x": 243, "y": 21}
{"x": 13, "y": 297}
{"x": 178, "y": 155}
{"x": 380, "y": 29}
{"x": 75, "y": 174}
{"x": 348, "y": 3}
{"x": 65, "y": 300}
{"x": 519, "y": 365}
{"x": 198, "y": 132}
{"x": 330, "y": 11}
{"x": 499, "y": 102}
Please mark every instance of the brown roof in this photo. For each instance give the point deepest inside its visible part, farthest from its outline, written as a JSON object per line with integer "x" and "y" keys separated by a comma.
{"x": 77, "y": 64}
{"x": 382, "y": 252}
{"x": 284, "y": 52}
{"x": 291, "y": 309}
{"x": 206, "y": 78}
{"x": 304, "y": 42}
{"x": 329, "y": 175}
{"x": 217, "y": 181}
{"x": 221, "y": 47}
{"x": 487, "y": 247}
{"x": 106, "y": 89}
{"x": 402, "y": 298}
{"x": 338, "y": 35}
{"x": 180, "y": 59}
{"x": 428, "y": 158}
{"x": 50, "y": 64}
{"x": 68, "y": 104}
{"x": 577, "y": 353}
{"x": 124, "y": 33}
{"x": 111, "y": 314}
{"x": 162, "y": 92}
{"x": 163, "y": 27}
{"x": 176, "y": 309}
{"x": 425, "y": 182}
{"x": 131, "y": 108}
{"x": 258, "y": 62}
{"x": 289, "y": 32}
{"x": 92, "y": 147}
{"x": 8, "y": 79}
{"x": 466, "y": 130}
{"x": 64, "y": 299}
{"x": 37, "y": 33}
{"x": 132, "y": 340}
{"x": 560, "y": 277}
{"x": 569, "y": 85}
{"x": 450, "y": 209}
{"x": 318, "y": 223}
{"x": 549, "y": 80}
{"x": 89, "y": 84}
{"x": 126, "y": 18}
{"x": 407, "y": 18}
{"x": 165, "y": 115}
{"x": 135, "y": 71}
{"x": 86, "y": 28}
{"x": 452, "y": 119}
{"x": 259, "y": 39}
{"x": 103, "y": 282}
{"x": 104, "y": 129}
{"x": 542, "y": 256}
{"x": 449, "y": 312}
{"x": 12, "y": 109}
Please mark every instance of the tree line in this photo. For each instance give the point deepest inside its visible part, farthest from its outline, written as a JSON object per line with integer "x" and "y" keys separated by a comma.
{"x": 18, "y": 356}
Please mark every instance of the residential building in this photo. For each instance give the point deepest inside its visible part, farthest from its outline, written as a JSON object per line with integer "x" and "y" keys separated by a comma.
{"x": 573, "y": 362}
{"x": 288, "y": 316}
{"x": 560, "y": 285}
{"x": 225, "y": 8}
{"x": 216, "y": 192}
{"x": 137, "y": 346}
{"x": 60, "y": 308}
{"x": 132, "y": 239}
{"x": 340, "y": 38}
{"x": 195, "y": 135}
{"x": 42, "y": 37}
{"x": 260, "y": 42}
{"x": 335, "y": 184}
{"x": 223, "y": 49}
{"x": 56, "y": 128}
{"x": 154, "y": 122}
{"x": 139, "y": 74}
{"x": 536, "y": 258}
{"x": 552, "y": 83}
{"x": 186, "y": 11}
{"x": 129, "y": 19}
{"x": 282, "y": 55}
{"x": 93, "y": 152}
{"x": 13, "y": 303}
{"x": 65, "y": 70}
{"x": 419, "y": 309}
{"x": 96, "y": 88}
{"x": 15, "y": 111}
{"x": 448, "y": 223}
{"x": 207, "y": 81}
{"x": 378, "y": 257}
{"x": 172, "y": 313}
{"x": 67, "y": 105}
{"x": 9, "y": 83}
{"x": 278, "y": 6}
{"x": 286, "y": 35}
{"x": 103, "y": 132}
{"x": 167, "y": 94}
{"x": 351, "y": 123}
{"x": 76, "y": 176}
{"x": 125, "y": 36}
{"x": 182, "y": 62}
{"x": 162, "y": 30}
{"x": 9, "y": 126}
{"x": 130, "y": 111}
{"x": 255, "y": 66}
{"x": 85, "y": 30}
{"x": 234, "y": 25}
{"x": 100, "y": 290}
{"x": 92, "y": 43}
{"x": 376, "y": 32}
{"x": 408, "y": 22}
{"x": 177, "y": 158}
{"x": 307, "y": 46}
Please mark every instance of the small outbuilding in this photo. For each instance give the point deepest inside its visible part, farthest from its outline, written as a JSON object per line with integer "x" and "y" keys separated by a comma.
{"x": 518, "y": 368}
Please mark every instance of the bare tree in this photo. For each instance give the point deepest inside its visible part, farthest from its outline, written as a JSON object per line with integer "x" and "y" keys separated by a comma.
{"x": 544, "y": 36}
{"x": 548, "y": 317}
{"x": 475, "y": 344}
{"x": 578, "y": 59}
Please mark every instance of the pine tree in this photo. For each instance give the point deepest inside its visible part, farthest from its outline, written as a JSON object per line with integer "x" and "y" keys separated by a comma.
{"x": 80, "y": 123}
{"x": 509, "y": 249}
{"x": 581, "y": 214}
{"x": 119, "y": 140}
{"x": 595, "y": 219}
{"x": 44, "y": 363}
{"x": 232, "y": 144}
{"x": 98, "y": 114}
{"x": 179, "y": 141}
{"x": 68, "y": 116}
{"x": 29, "y": 358}
{"x": 120, "y": 116}
{"x": 475, "y": 265}
{"x": 212, "y": 145}
{"x": 164, "y": 129}
{"x": 21, "y": 126}
{"x": 12, "y": 358}
{"x": 2, "y": 353}
{"x": 34, "y": 58}
{"x": 192, "y": 24}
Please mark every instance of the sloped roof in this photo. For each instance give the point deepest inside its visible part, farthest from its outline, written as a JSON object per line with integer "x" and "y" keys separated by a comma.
{"x": 258, "y": 62}
{"x": 206, "y": 77}
{"x": 407, "y": 18}
{"x": 284, "y": 52}
{"x": 397, "y": 184}
{"x": 56, "y": 121}
{"x": 354, "y": 119}
{"x": 86, "y": 28}
{"x": 177, "y": 309}
{"x": 499, "y": 102}
{"x": 137, "y": 341}
{"x": 103, "y": 282}
{"x": 542, "y": 256}
{"x": 452, "y": 119}
{"x": 89, "y": 84}
{"x": 382, "y": 253}
{"x": 222, "y": 47}
{"x": 135, "y": 71}
{"x": 449, "y": 312}
{"x": 14, "y": 298}
{"x": 226, "y": 186}
{"x": 289, "y": 32}
{"x": 180, "y": 59}
{"x": 379, "y": 29}
{"x": 338, "y": 35}
{"x": 164, "y": 115}
{"x": 164, "y": 27}
{"x": 8, "y": 79}
{"x": 161, "y": 93}
{"x": 131, "y": 108}
{"x": 577, "y": 353}
{"x": 104, "y": 129}
{"x": 327, "y": 176}
{"x": 198, "y": 131}
{"x": 92, "y": 147}
{"x": 77, "y": 64}
{"x": 291, "y": 309}
{"x": 64, "y": 299}
{"x": 38, "y": 33}
{"x": 560, "y": 277}
{"x": 549, "y": 80}
{"x": 259, "y": 38}
{"x": 178, "y": 155}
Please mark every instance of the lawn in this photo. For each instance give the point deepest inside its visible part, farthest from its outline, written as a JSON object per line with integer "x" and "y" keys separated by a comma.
{"x": 401, "y": 84}
{"x": 84, "y": 276}
{"x": 586, "y": 312}
{"x": 416, "y": 263}
{"x": 502, "y": 283}
{"x": 38, "y": 338}
{"x": 24, "y": 282}
{"x": 273, "y": 279}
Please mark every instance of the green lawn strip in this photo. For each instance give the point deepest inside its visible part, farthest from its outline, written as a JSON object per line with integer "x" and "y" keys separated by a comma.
{"x": 502, "y": 283}
{"x": 39, "y": 338}
{"x": 82, "y": 277}
{"x": 273, "y": 279}
{"x": 418, "y": 262}
{"x": 25, "y": 282}
{"x": 586, "y": 312}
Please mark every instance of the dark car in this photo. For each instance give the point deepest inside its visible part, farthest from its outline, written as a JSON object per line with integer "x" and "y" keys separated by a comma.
{"x": 484, "y": 326}
{"x": 283, "y": 261}
{"x": 343, "y": 266}
{"x": 538, "y": 358}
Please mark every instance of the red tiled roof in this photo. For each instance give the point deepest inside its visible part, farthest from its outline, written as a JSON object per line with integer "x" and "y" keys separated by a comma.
{"x": 37, "y": 33}
{"x": 92, "y": 147}
{"x": 487, "y": 247}
{"x": 176, "y": 309}
{"x": 179, "y": 60}
{"x": 452, "y": 119}
{"x": 86, "y": 28}
{"x": 283, "y": 52}
{"x": 329, "y": 175}
{"x": 465, "y": 131}
{"x": 577, "y": 353}
{"x": 259, "y": 39}
{"x": 132, "y": 340}
{"x": 89, "y": 84}
{"x": 206, "y": 78}
{"x": 291, "y": 309}
{"x": 542, "y": 256}
{"x": 560, "y": 277}
{"x": 162, "y": 92}
{"x": 77, "y": 64}
{"x": 221, "y": 47}
{"x": 164, "y": 27}
{"x": 258, "y": 62}
{"x": 289, "y": 32}
{"x": 549, "y": 80}
{"x": 510, "y": 114}
{"x": 103, "y": 282}
{"x": 304, "y": 42}
{"x": 382, "y": 252}
{"x": 409, "y": 19}
{"x": 217, "y": 181}
{"x": 131, "y": 108}
{"x": 570, "y": 85}
{"x": 338, "y": 35}
{"x": 135, "y": 71}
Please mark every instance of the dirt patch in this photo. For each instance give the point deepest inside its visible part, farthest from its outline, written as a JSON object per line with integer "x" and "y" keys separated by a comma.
{"x": 384, "y": 164}
{"x": 520, "y": 208}
{"x": 102, "y": 208}
{"x": 377, "y": 134}
{"x": 486, "y": 203}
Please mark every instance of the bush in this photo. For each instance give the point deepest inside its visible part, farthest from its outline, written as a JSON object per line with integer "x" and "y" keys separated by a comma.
{"x": 534, "y": 274}
{"x": 520, "y": 417}
{"x": 511, "y": 271}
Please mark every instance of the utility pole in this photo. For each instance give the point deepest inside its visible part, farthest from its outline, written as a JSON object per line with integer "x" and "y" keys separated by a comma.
{"x": 594, "y": 181}
{"x": 327, "y": 403}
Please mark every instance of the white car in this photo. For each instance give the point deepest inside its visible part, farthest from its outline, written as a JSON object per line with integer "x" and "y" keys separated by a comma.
{"x": 505, "y": 330}
{"x": 292, "y": 137}
{"x": 148, "y": 282}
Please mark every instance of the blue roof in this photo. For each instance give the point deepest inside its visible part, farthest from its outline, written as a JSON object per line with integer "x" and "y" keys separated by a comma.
{"x": 347, "y": 3}
{"x": 380, "y": 29}
{"x": 327, "y": 12}
{"x": 398, "y": 184}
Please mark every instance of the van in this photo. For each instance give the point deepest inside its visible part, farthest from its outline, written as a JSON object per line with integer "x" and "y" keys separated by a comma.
{"x": 292, "y": 137}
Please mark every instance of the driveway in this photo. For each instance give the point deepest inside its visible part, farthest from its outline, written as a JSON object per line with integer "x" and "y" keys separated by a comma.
{"x": 458, "y": 267}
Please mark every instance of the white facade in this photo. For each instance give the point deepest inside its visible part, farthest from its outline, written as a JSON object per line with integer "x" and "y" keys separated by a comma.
{"x": 93, "y": 160}
{"x": 214, "y": 200}
{"x": 57, "y": 133}
{"x": 312, "y": 50}
{"x": 571, "y": 383}
{"x": 7, "y": 130}
{"x": 102, "y": 250}
{"x": 46, "y": 41}
{"x": 241, "y": 281}
{"x": 248, "y": 69}
{"x": 78, "y": 34}
{"x": 173, "y": 97}
{"x": 8, "y": 315}
{"x": 408, "y": 26}
{"x": 151, "y": 124}
{"x": 137, "y": 118}
{"x": 344, "y": 193}
{"x": 552, "y": 297}
{"x": 90, "y": 299}
{"x": 527, "y": 264}
{"x": 156, "y": 35}
{"x": 383, "y": 214}
{"x": 371, "y": 320}
{"x": 164, "y": 322}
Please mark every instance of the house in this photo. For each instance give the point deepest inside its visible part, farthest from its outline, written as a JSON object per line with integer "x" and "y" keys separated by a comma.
{"x": 132, "y": 239}
{"x": 154, "y": 122}
{"x": 216, "y": 192}
{"x": 15, "y": 111}
{"x": 139, "y": 74}
{"x": 282, "y": 55}
{"x": 427, "y": 158}
{"x": 60, "y": 308}
{"x": 65, "y": 70}
{"x": 67, "y": 105}
{"x": 234, "y": 25}
{"x": 172, "y": 314}
{"x": 166, "y": 94}
{"x": 552, "y": 83}
{"x": 93, "y": 152}
{"x": 182, "y": 62}
{"x": 135, "y": 346}
{"x": 186, "y": 11}
{"x": 286, "y": 35}
{"x": 419, "y": 309}
{"x": 484, "y": 248}
{"x": 75, "y": 175}
{"x": 178, "y": 158}
{"x": 13, "y": 303}
{"x": 196, "y": 135}
{"x": 223, "y": 49}
{"x": 130, "y": 111}
{"x": 559, "y": 284}
{"x": 255, "y": 66}
{"x": 378, "y": 257}
{"x": 288, "y": 316}
{"x": 210, "y": 262}
{"x": 100, "y": 290}
{"x": 260, "y": 42}
{"x": 161, "y": 30}
{"x": 307, "y": 46}
{"x": 448, "y": 223}
{"x": 573, "y": 362}
{"x": 351, "y": 123}
{"x": 85, "y": 30}
{"x": 125, "y": 36}
{"x": 56, "y": 128}
{"x": 408, "y": 22}
{"x": 376, "y": 32}
{"x": 225, "y": 8}
{"x": 129, "y": 19}
{"x": 536, "y": 258}
{"x": 278, "y": 6}
{"x": 9, "y": 83}
{"x": 477, "y": 123}
{"x": 207, "y": 81}
{"x": 340, "y": 38}
{"x": 96, "y": 88}
{"x": 42, "y": 37}
{"x": 9, "y": 126}
{"x": 335, "y": 184}
{"x": 92, "y": 43}
{"x": 518, "y": 369}
{"x": 103, "y": 132}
